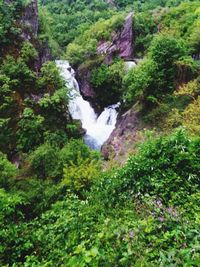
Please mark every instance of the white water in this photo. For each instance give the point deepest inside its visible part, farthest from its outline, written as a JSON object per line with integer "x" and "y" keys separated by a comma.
{"x": 98, "y": 129}
{"x": 129, "y": 65}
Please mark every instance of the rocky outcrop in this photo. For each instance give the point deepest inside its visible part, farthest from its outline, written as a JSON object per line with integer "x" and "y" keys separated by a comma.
{"x": 122, "y": 43}
{"x": 83, "y": 77}
{"x": 44, "y": 54}
{"x": 30, "y": 24}
{"x": 29, "y": 20}
{"x": 120, "y": 46}
{"x": 122, "y": 137}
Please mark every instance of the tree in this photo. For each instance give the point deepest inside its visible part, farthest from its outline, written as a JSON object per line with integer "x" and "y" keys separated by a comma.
{"x": 165, "y": 50}
{"x": 7, "y": 171}
{"x": 30, "y": 131}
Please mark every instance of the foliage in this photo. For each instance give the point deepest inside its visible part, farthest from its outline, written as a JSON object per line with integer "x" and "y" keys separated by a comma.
{"x": 7, "y": 171}
{"x": 107, "y": 82}
{"x": 165, "y": 50}
{"x": 30, "y": 131}
{"x": 139, "y": 79}
{"x": 44, "y": 162}
{"x": 191, "y": 118}
{"x": 50, "y": 79}
{"x": 86, "y": 44}
{"x": 67, "y": 21}
{"x": 144, "y": 28}
{"x": 152, "y": 201}
{"x": 47, "y": 161}
{"x": 75, "y": 149}
{"x": 60, "y": 208}
{"x": 81, "y": 175}
{"x": 9, "y": 32}
{"x": 155, "y": 77}
{"x": 165, "y": 168}
{"x": 191, "y": 89}
{"x": 28, "y": 53}
{"x": 22, "y": 78}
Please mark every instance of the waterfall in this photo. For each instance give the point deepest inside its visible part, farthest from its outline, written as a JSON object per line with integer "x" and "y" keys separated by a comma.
{"x": 129, "y": 65}
{"x": 98, "y": 129}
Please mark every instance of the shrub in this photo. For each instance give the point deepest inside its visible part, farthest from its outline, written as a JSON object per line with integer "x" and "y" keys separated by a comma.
{"x": 74, "y": 150}
{"x": 7, "y": 171}
{"x": 191, "y": 118}
{"x": 50, "y": 79}
{"x": 22, "y": 78}
{"x": 155, "y": 77}
{"x": 107, "y": 82}
{"x": 80, "y": 176}
{"x": 30, "y": 131}
{"x": 166, "y": 168}
{"x": 44, "y": 162}
{"x": 28, "y": 53}
{"x": 139, "y": 79}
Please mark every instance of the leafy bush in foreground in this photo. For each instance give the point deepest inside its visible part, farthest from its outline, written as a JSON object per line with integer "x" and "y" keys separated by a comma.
{"x": 144, "y": 214}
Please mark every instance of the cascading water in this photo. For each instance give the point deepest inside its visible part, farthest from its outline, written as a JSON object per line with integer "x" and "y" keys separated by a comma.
{"x": 98, "y": 129}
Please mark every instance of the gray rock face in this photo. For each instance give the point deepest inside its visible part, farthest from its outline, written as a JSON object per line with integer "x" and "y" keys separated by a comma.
{"x": 122, "y": 136}
{"x": 30, "y": 20}
{"x": 86, "y": 89}
{"x": 122, "y": 43}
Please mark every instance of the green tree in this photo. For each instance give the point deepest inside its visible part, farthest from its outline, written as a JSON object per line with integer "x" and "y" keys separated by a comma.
{"x": 107, "y": 82}
{"x": 30, "y": 131}
{"x": 7, "y": 171}
{"x": 28, "y": 53}
{"x": 22, "y": 78}
{"x": 44, "y": 162}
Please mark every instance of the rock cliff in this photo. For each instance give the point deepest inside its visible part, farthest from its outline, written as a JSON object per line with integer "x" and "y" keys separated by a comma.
{"x": 123, "y": 135}
{"x": 28, "y": 24}
{"x": 122, "y": 43}
{"x": 29, "y": 20}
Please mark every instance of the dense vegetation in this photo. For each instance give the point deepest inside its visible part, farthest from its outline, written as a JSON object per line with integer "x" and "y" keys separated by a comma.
{"x": 58, "y": 204}
{"x": 145, "y": 214}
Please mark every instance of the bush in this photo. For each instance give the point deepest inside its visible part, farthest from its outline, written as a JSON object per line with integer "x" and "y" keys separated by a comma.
{"x": 138, "y": 80}
{"x": 22, "y": 78}
{"x": 44, "y": 162}
{"x": 156, "y": 76}
{"x": 7, "y": 171}
{"x": 50, "y": 79}
{"x": 191, "y": 119}
{"x": 30, "y": 131}
{"x": 28, "y": 53}
{"x": 167, "y": 168}
{"x": 74, "y": 150}
{"x": 107, "y": 83}
{"x": 80, "y": 176}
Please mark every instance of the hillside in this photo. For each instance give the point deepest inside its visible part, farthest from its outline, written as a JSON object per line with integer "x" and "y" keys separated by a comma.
{"x": 133, "y": 202}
